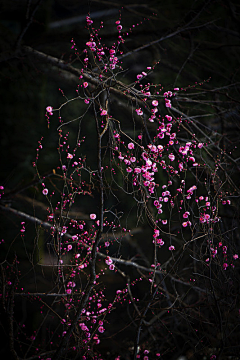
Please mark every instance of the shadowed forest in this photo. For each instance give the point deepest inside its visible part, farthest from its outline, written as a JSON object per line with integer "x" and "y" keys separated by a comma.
{"x": 119, "y": 190}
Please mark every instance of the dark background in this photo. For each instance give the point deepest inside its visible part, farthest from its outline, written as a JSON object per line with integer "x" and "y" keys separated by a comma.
{"x": 200, "y": 44}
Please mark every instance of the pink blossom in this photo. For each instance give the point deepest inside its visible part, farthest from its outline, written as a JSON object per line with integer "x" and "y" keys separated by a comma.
{"x": 108, "y": 261}
{"x": 235, "y": 257}
{"x": 69, "y": 247}
{"x": 49, "y": 109}
{"x": 139, "y": 111}
{"x": 171, "y": 157}
{"x": 101, "y": 329}
{"x": 85, "y": 84}
{"x": 111, "y": 267}
{"x": 103, "y": 112}
{"x": 89, "y": 21}
{"x": 225, "y": 265}
{"x": 91, "y": 44}
{"x": 155, "y": 103}
{"x": 156, "y": 233}
{"x": 45, "y": 191}
{"x": 190, "y": 190}
{"x": 160, "y": 242}
{"x": 69, "y": 156}
{"x": 168, "y": 103}
{"x": 69, "y": 291}
{"x": 164, "y": 222}
{"x": 200, "y": 145}
{"x": 83, "y": 327}
{"x": 93, "y": 216}
{"x": 131, "y": 146}
{"x": 171, "y": 248}
{"x": 137, "y": 170}
{"x": 139, "y": 76}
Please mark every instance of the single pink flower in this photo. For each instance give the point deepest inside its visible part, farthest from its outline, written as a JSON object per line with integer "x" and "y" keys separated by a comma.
{"x": 131, "y": 146}
{"x": 139, "y": 111}
{"x": 49, "y": 109}
{"x": 93, "y": 216}
{"x": 45, "y": 191}
{"x": 171, "y": 157}
{"x": 85, "y": 84}
{"x": 101, "y": 329}
{"x": 103, "y": 112}
{"x": 108, "y": 261}
{"x": 168, "y": 117}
